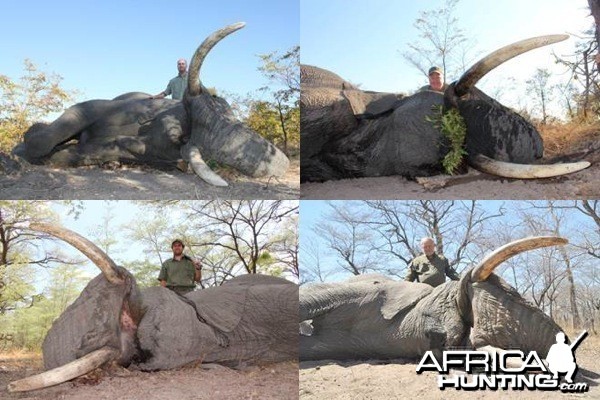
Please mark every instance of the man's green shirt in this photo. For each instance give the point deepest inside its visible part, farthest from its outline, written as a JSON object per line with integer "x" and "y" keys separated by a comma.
{"x": 177, "y": 86}
{"x": 431, "y": 270}
{"x": 178, "y": 273}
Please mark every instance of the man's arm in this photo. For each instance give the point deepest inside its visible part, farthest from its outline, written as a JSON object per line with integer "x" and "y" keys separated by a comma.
{"x": 197, "y": 271}
{"x": 451, "y": 273}
{"x": 161, "y": 95}
{"x": 411, "y": 275}
{"x": 162, "y": 276}
{"x": 164, "y": 93}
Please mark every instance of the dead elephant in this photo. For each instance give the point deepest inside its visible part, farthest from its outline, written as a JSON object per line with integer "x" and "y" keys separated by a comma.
{"x": 347, "y": 132}
{"x": 252, "y": 318}
{"x": 134, "y": 128}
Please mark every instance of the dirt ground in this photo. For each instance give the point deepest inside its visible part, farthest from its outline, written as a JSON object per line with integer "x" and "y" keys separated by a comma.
{"x": 397, "y": 379}
{"x": 32, "y": 182}
{"x": 269, "y": 382}
{"x": 573, "y": 143}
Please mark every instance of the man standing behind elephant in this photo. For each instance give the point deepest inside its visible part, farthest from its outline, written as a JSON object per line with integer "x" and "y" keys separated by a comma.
{"x": 436, "y": 80}
{"x": 177, "y": 85}
{"x": 180, "y": 273}
{"x": 430, "y": 268}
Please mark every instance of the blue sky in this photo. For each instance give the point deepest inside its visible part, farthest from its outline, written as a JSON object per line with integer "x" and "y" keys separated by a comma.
{"x": 362, "y": 41}
{"x": 106, "y": 48}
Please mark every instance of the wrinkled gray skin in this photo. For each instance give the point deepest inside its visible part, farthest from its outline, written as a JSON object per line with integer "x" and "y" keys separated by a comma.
{"x": 248, "y": 319}
{"x": 372, "y": 316}
{"x": 133, "y": 128}
{"x": 347, "y": 132}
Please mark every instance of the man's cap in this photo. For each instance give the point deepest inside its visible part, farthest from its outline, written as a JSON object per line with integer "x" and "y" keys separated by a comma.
{"x": 177, "y": 241}
{"x": 436, "y": 69}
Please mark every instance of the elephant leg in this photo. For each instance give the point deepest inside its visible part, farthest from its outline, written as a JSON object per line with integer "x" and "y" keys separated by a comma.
{"x": 41, "y": 141}
{"x": 126, "y": 149}
{"x": 318, "y": 348}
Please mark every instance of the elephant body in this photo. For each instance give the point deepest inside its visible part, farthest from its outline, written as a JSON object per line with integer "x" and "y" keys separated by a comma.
{"x": 347, "y": 132}
{"x": 250, "y": 319}
{"x": 372, "y": 316}
{"x": 132, "y": 128}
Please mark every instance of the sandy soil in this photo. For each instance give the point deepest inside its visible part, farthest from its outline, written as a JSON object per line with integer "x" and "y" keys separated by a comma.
{"x": 136, "y": 183}
{"x": 269, "y": 382}
{"x": 397, "y": 379}
{"x": 581, "y": 143}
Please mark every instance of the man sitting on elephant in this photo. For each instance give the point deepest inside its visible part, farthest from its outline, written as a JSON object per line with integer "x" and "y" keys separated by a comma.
{"x": 176, "y": 86}
{"x": 180, "y": 273}
{"x": 429, "y": 267}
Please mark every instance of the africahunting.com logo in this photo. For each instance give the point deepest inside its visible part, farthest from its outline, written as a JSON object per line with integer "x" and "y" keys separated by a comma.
{"x": 510, "y": 369}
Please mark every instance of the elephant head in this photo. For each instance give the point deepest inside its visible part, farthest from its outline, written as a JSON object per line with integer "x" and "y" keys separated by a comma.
{"x": 248, "y": 319}
{"x": 376, "y": 317}
{"x": 216, "y": 134}
{"x": 347, "y": 132}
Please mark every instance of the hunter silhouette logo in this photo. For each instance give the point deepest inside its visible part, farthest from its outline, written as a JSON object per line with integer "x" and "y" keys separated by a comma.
{"x": 560, "y": 356}
{"x": 500, "y": 370}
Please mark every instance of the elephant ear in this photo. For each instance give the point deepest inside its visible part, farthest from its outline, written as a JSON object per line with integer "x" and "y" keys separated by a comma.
{"x": 398, "y": 297}
{"x": 221, "y": 307}
{"x": 371, "y": 104}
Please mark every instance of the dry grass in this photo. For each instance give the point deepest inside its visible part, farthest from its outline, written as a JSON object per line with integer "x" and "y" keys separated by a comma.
{"x": 19, "y": 354}
{"x": 561, "y": 139}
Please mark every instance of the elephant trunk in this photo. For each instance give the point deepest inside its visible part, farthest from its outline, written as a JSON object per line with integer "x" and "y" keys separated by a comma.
{"x": 222, "y": 138}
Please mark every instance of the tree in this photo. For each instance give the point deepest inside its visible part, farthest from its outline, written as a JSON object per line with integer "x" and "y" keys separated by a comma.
{"x": 286, "y": 247}
{"x": 32, "y": 323}
{"x": 242, "y": 228}
{"x": 442, "y": 42}
{"x": 541, "y": 91}
{"x": 595, "y": 10}
{"x": 20, "y": 252}
{"x": 591, "y": 209}
{"x": 310, "y": 258}
{"x": 284, "y": 70}
{"x": 456, "y": 227}
{"x": 103, "y": 234}
{"x": 584, "y": 72}
{"x": 347, "y": 233}
{"x": 22, "y": 103}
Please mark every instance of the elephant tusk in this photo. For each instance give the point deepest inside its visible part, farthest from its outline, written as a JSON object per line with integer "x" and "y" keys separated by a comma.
{"x": 89, "y": 249}
{"x": 65, "y": 372}
{"x": 201, "y": 169}
{"x": 525, "y": 171}
{"x": 491, "y": 61}
{"x": 485, "y": 268}
{"x": 194, "y": 85}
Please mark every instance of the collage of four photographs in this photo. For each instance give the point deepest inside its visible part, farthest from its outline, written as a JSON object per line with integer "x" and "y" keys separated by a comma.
{"x": 300, "y": 200}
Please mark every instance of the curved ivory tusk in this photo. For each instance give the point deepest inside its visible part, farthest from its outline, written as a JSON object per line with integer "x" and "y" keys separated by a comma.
{"x": 65, "y": 372}
{"x": 485, "y": 268}
{"x": 491, "y": 61}
{"x": 525, "y": 171}
{"x": 93, "y": 252}
{"x": 201, "y": 169}
{"x": 194, "y": 87}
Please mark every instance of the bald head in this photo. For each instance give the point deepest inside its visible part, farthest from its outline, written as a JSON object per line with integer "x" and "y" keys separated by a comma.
{"x": 428, "y": 246}
{"x": 181, "y": 66}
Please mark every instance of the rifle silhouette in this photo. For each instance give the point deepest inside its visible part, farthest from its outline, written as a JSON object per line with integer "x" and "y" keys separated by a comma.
{"x": 578, "y": 340}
